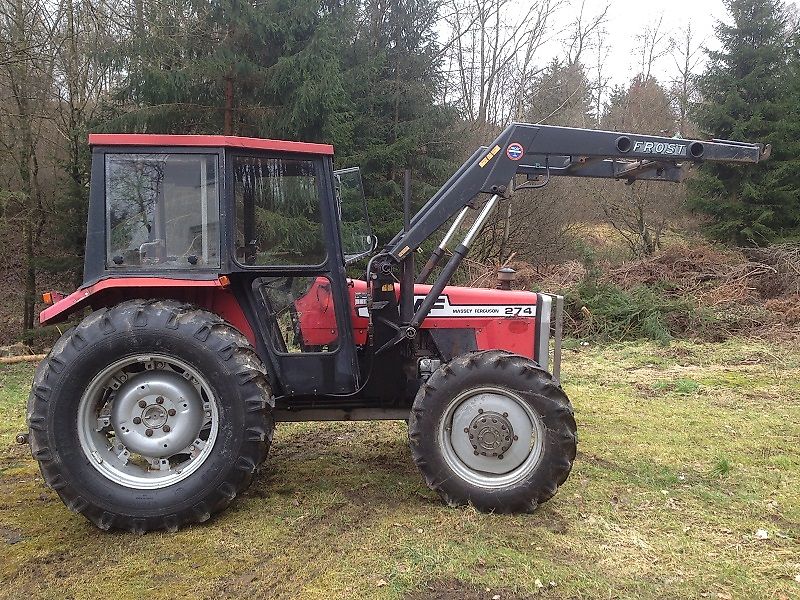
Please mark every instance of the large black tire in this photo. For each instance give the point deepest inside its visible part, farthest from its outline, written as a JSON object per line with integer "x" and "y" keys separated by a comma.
{"x": 197, "y": 338}
{"x": 493, "y": 369}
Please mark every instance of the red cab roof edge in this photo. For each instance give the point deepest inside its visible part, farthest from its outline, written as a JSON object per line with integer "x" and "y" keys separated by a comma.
{"x": 227, "y": 141}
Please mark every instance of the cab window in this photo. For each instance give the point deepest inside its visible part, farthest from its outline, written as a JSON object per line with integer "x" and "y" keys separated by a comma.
{"x": 278, "y": 217}
{"x": 162, "y": 211}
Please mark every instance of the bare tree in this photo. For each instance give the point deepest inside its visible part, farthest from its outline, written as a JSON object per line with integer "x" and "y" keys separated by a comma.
{"x": 640, "y": 212}
{"x": 26, "y": 73}
{"x": 493, "y": 50}
{"x": 687, "y": 54}
{"x": 583, "y": 30}
{"x": 653, "y": 43}
{"x": 600, "y": 79}
{"x": 81, "y": 76}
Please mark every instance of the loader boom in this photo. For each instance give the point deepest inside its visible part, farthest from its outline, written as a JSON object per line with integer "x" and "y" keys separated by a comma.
{"x": 540, "y": 152}
{"x": 545, "y": 150}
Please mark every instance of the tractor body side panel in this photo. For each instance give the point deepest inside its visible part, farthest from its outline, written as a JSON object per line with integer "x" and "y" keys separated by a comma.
{"x": 500, "y": 319}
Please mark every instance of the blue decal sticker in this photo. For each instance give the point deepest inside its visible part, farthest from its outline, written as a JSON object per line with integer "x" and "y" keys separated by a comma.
{"x": 515, "y": 151}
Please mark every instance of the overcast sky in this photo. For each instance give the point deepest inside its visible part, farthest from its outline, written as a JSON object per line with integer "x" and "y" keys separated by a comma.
{"x": 627, "y": 18}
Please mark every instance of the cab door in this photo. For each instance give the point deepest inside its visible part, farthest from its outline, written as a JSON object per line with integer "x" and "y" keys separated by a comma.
{"x": 287, "y": 249}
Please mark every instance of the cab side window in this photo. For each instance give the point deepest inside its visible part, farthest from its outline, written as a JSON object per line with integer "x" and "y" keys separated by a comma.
{"x": 278, "y": 219}
{"x": 162, "y": 211}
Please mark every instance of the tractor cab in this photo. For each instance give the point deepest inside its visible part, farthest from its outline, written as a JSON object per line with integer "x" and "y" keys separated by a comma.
{"x": 158, "y": 202}
{"x": 269, "y": 218}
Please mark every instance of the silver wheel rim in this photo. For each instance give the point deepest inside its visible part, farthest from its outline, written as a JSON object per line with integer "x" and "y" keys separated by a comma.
{"x": 147, "y": 421}
{"x": 490, "y": 437}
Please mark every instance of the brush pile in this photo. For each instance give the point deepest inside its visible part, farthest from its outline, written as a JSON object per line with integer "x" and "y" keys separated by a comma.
{"x": 711, "y": 276}
{"x": 692, "y": 289}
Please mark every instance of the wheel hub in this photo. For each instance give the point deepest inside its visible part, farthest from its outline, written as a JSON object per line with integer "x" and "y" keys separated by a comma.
{"x": 154, "y": 416}
{"x": 490, "y": 433}
{"x": 157, "y": 413}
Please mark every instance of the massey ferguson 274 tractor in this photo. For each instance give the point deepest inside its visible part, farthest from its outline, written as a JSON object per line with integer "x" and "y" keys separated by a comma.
{"x": 216, "y": 302}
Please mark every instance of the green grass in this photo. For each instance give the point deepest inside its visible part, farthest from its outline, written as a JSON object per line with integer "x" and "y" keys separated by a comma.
{"x": 685, "y": 451}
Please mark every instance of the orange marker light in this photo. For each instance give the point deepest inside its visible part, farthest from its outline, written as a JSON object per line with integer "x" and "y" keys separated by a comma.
{"x": 47, "y": 297}
{"x": 224, "y": 281}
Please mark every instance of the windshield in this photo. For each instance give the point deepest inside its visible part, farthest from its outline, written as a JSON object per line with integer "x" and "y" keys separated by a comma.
{"x": 355, "y": 229}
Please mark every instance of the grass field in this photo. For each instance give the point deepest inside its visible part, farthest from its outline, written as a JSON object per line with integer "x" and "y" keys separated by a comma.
{"x": 685, "y": 453}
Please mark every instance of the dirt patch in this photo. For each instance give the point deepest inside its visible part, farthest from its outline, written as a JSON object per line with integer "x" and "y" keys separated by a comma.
{"x": 453, "y": 589}
{"x": 597, "y": 461}
{"x": 10, "y": 536}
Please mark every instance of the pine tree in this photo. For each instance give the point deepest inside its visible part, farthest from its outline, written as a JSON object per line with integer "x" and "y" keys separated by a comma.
{"x": 750, "y": 92}
{"x": 393, "y": 78}
{"x": 238, "y": 67}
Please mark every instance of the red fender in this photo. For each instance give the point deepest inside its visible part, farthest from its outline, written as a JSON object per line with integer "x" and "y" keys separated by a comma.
{"x": 211, "y": 294}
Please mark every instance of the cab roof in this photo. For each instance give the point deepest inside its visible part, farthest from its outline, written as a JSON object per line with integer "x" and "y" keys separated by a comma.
{"x": 224, "y": 141}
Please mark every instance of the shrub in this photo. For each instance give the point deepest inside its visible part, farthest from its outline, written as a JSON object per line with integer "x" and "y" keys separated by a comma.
{"x": 606, "y": 312}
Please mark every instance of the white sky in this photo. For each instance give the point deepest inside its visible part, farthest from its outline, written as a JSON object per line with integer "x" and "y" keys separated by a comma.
{"x": 627, "y": 18}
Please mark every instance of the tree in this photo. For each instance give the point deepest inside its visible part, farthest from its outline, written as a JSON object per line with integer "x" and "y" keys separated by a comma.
{"x": 493, "y": 56}
{"x": 639, "y": 212}
{"x": 560, "y": 95}
{"x": 750, "y": 91}
{"x": 392, "y": 79}
{"x": 238, "y": 67}
{"x": 687, "y": 56}
{"x": 81, "y": 80}
{"x": 26, "y": 31}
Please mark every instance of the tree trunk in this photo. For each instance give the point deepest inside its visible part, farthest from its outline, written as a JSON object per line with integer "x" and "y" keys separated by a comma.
{"x": 228, "y": 106}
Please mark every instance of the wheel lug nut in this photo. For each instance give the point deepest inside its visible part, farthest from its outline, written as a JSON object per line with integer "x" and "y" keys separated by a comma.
{"x": 166, "y": 428}
{"x": 171, "y": 412}
{"x": 148, "y": 432}
{"x": 466, "y": 429}
{"x": 142, "y": 403}
{"x": 480, "y": 411}
{"x": 160, "y": 400}
{"x": 136, "y": 420}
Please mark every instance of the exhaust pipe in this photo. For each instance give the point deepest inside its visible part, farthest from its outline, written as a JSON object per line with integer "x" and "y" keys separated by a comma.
{"x": 505, "y": 278}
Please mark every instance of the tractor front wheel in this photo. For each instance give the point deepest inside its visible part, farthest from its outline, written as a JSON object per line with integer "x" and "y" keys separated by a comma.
{"x": 493, "y": 430}
{"x": 150, "y": 415}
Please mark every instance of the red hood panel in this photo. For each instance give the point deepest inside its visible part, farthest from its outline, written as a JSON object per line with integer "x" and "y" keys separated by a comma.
{"x": 501, "y": 319}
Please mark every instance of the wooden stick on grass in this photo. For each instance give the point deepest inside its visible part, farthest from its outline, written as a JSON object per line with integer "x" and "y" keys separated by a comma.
{"x": 10, "y": 360}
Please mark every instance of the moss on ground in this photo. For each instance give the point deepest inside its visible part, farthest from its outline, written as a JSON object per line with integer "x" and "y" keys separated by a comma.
{"x": 685, "y": 452}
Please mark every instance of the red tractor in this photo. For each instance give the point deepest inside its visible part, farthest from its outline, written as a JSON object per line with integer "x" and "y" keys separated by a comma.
{"x": 216, "y": 302}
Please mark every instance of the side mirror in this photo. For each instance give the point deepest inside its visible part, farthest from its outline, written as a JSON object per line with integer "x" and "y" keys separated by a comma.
{"x": 373, "y": 244}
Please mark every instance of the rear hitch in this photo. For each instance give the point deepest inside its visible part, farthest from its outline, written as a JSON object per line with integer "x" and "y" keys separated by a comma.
{"x": 22, "y": 438}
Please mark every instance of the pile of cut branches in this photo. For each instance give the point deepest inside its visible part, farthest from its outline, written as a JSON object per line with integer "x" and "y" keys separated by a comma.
{"x": 689, "y": 289}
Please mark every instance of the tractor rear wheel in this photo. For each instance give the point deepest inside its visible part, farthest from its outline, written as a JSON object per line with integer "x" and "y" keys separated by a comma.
{"x": 493, "y": 430}
{"x": 150, "y": 415}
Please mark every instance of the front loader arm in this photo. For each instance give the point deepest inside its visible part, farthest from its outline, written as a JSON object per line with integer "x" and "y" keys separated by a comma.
{"x": 545, "y": 150}
{"x": 539, "y": 152}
